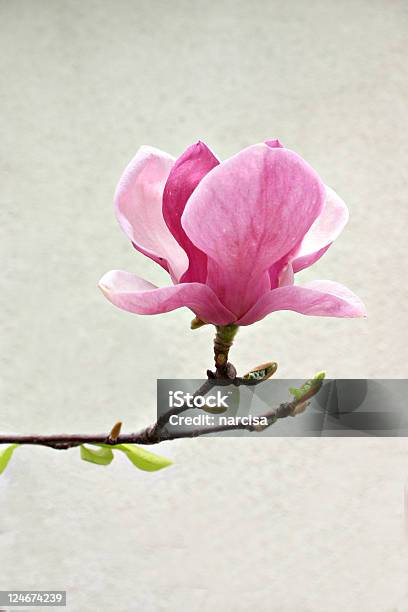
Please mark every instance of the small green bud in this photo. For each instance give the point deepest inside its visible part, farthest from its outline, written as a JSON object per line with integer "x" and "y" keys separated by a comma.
{"x": 310, "y": 388}
{"x": 262, "y": 372}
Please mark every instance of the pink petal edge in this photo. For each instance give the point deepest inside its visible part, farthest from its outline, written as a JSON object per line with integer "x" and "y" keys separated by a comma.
{"x": 274, "y": 143}
{"x": 138, "y": 207}
{"x": 318, "y": 298}
{"x": 134, "y": 294}
{"x": 323, "y": 232}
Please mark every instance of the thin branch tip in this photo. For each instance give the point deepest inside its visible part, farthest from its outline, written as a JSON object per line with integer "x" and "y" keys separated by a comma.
{"x": 158, "y": 432}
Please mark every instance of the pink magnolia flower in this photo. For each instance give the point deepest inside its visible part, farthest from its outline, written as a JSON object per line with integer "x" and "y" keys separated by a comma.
{"x": 230, "y": 234}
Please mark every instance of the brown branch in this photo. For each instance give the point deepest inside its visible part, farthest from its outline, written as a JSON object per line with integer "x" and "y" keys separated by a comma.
{"x": 165, "y": 417}
{"x": 203, "y": 390}
{"x": 65, "y": 441}
{"x": 225, "y": 374}
{"x": 283, "y": 410}
{"x": 157, "y": 432}
{"x": 222, "y": 343}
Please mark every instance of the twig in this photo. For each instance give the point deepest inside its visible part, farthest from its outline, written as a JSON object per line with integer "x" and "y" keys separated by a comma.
{"x": 157, "y": 433}
{"x": 203, "y": 390}
{"x": 225, "y": 374}
{"x": 165, "y": 417}
{"x": 283, "y": 410}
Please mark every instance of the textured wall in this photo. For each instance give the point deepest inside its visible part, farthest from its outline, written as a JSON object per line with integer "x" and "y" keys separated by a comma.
{"x": 289, "y": 525}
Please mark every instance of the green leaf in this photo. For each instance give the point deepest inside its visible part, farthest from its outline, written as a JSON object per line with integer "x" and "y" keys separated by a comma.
{"x": 6, "y": 455}
{"x": 297, "y": 393}
{"x": 102, "y": 456}
{"x": 310, "y": 387}
{"x": 143, "y": 459}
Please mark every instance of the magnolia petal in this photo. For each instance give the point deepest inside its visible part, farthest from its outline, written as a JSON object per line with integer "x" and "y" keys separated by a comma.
{"x": 138, "y": 207}
{"x": 246, "y": 214}
{"x": 281, "y": 272}
{"x": 274, "y": 143}
{"x": 159, "y": 260}
{"x": 323, "y": 232}
{"x": 184, "y": 177}
{"x": 286, "y": 276}
{"x": 134, "y": 294}
{"x": 318, "y": 298}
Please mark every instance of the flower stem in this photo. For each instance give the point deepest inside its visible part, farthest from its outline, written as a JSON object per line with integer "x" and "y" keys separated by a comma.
{"x": 223, "y": 341}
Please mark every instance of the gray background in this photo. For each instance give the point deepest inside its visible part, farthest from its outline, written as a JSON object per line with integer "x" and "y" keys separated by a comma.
{"x": 292, "y": 525}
